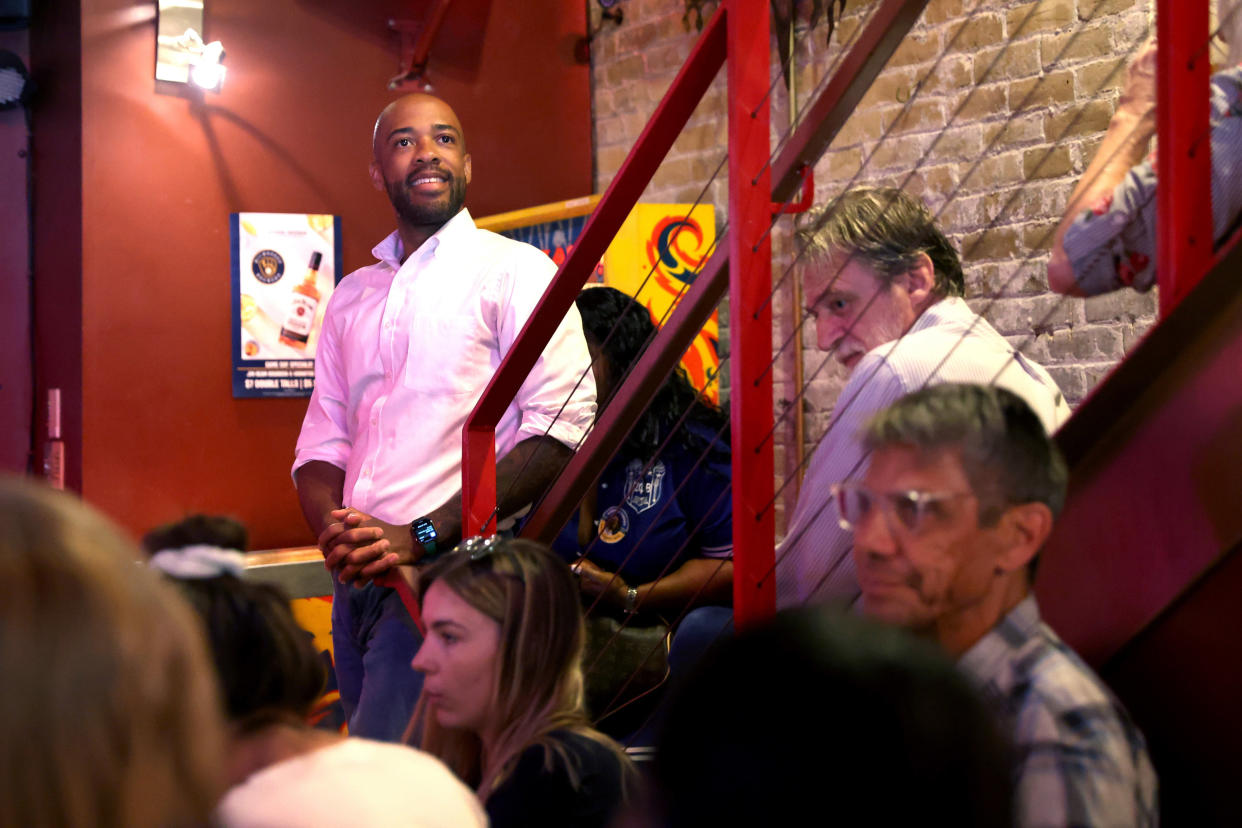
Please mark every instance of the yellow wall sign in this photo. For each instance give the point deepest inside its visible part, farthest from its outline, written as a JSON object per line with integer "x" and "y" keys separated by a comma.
{"x": 654, "y": 257}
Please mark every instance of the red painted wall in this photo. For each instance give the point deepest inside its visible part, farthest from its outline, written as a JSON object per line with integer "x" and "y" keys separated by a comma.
{"x": 160, "y": 173}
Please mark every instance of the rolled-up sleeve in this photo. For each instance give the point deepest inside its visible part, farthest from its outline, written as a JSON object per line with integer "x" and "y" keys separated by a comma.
{"x": 1112, "y": 243}
{"x": 558, "y": 396}
{"x": 325, "y": 429}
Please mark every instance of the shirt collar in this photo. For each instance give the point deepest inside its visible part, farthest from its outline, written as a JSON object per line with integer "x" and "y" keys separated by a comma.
{"x": 452, "y": 233}
{"x": 986, "y": 657}
{"x": 947, "y": 309}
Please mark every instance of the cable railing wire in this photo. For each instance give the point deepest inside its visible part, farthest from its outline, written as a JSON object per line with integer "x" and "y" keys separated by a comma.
{"x": 966, "y": 255}
{"x": 1042, "y": 324}
{"x": 494, "y": 516}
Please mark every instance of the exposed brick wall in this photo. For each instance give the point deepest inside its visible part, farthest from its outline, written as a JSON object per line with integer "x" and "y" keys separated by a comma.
{"x": 989, "y": 110}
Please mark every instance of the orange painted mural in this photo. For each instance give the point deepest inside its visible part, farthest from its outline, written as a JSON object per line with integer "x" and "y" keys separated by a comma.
{"x": 655, "y": 257}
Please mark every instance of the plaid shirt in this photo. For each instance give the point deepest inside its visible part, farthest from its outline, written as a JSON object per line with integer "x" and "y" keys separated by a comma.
{"x": 1080, "y": 761}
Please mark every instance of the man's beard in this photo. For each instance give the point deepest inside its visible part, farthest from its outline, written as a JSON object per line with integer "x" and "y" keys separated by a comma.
{"x": 424, "y": 212}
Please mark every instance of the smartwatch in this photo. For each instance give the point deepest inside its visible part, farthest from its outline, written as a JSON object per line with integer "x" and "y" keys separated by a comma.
{"x": 424, "y": 533}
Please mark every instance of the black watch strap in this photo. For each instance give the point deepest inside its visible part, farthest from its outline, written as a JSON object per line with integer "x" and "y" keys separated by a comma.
{"x": 424, "y": 532}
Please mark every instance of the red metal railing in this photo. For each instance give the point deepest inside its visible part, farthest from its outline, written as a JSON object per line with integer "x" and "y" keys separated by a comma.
{"x": 1184, "y": 159}
{"x": 750, "y": 312}
{"x": 739, "y": 30}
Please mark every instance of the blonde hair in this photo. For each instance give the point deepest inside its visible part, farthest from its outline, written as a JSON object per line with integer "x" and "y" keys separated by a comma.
{"x": 538, "y": 685}
{"x": 110, "y": 715}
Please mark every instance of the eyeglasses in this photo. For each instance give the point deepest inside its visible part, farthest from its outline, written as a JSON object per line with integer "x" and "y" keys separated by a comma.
{"x": 910, "y": 508}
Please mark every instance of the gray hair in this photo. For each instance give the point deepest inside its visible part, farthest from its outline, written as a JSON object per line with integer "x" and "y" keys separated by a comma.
{"x": 887, "y": 229}
{"x": 1005, "y": 452}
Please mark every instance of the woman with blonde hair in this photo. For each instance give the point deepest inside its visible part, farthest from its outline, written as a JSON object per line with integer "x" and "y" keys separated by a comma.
{"x": 108, "y": 713}
{"x": 502, "y": 693}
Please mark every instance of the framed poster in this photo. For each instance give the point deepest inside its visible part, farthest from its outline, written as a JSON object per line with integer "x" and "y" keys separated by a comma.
{"x": 285, "y": 266}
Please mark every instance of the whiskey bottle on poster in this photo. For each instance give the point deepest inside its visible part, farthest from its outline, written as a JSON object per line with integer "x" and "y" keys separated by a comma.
{"x": 54, "y": 450}
{"x": 302, "y": 306}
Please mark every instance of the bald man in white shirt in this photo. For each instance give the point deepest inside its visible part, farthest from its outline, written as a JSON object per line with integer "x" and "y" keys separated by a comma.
{"x": 408, "y": 345}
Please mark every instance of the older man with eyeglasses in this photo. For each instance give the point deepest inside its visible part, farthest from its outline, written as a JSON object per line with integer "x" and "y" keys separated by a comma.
{"x": 962, "y": 491}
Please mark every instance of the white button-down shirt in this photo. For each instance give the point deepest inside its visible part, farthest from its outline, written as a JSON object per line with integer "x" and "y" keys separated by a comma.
{"x": 947, "y": 343}
{"x": 406, "y": 351}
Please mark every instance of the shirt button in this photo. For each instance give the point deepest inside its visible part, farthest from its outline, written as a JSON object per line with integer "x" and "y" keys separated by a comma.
{"x": 388, "y": 375}
{"x": 375, "y": 421}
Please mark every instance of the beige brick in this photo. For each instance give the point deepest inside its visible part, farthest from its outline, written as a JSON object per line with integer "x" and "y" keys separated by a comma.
{"x": 1071, "y": 379}
{"x": 1122, "y": 305}
{"x": 610, "y": 131}
{"x": 672, "y": 27}
{"x": 1053, "y": 88}
{"x": 938, "y": 11}
{"x": 609, "y": 159}
{"x": 625, "y": 98}
{"x": 992, "y": 243}
{"x": 1101, "y": 76}
{"x": 1015, "y": 131}
{"x": 1037, "y": 238}
{"x": 859, "y": 127}
{"x": 1089, "y": 119}
{"x": 1047, "y": 162}
{"x": 1042, "y": 16}
{"x": 933, "y": 184}
{"x": 961, "y": 144}
{"x": 996, "y": 171}
{"x": 920, "y": 116}
{"x": 1090, "y": 342}
{"x": 1095, "y": 9}
{"x": 1077, "y": 46}
{"x": 637, "y": 37}
{"x": 840, "y": 165}
{"x": 961, "y": 215}
{"x": 979, "y": 31}
{"x": 903, "y": 152}
{"x": 916, "y": 47}
{"x": 666, "y": 58}
{"x": 892, "y": 86}
{"x": 635, "y": 123}
{"x": 982, "y": 102}
{"x": 950, "y": 76}
{"x": 1006, "y": 62}
{"x": 624, "y": 69}
{"x": 703, "y": 137}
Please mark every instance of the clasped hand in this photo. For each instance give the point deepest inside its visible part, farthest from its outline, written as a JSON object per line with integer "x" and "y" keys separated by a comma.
{"x": 594, "y": 581}
{"x": 359, "y": 548}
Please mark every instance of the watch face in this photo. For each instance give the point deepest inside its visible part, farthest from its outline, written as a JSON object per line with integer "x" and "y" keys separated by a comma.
{"x": 424, "y": 530}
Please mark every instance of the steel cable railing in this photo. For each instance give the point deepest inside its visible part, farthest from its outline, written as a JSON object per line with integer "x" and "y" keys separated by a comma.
{"x": 1039, "y": 246}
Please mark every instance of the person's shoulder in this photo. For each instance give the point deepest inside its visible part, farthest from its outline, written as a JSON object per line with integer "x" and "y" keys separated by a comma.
{"x": 299, "y": 791}
{"x": 511, "y": 251}
{"x": 1062, "y": 699}
{"x": 582, "y": 746}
